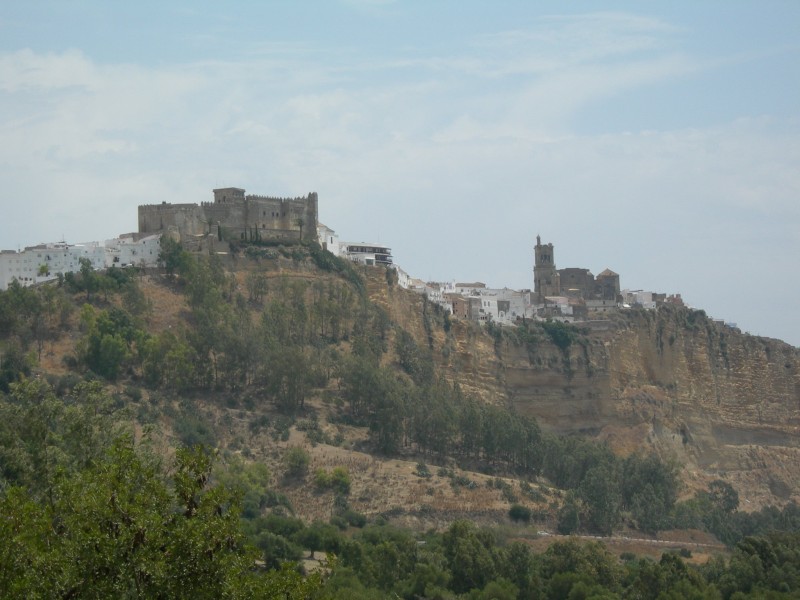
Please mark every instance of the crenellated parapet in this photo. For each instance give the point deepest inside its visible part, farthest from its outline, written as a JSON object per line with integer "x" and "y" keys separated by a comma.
{"x": 166, "y": 207}
{"x": 255, "y": 197}
{"x": 234, "y": 215}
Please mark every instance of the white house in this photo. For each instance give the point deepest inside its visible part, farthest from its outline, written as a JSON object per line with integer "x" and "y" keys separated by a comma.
{"x": 126, "y": 250}
{"x": 366, "y": 253}
{"x": 404, "y": 280}
{"x": 328, "y": 239}
{"x": 640, "y": 297}
{"x": 43, "y": 262}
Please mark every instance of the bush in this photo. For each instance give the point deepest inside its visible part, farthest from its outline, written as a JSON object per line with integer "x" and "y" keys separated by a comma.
{"x": 277, "y": 549}
{"x": 322, "y": 479}
{"x": 259, "y": 423}
{"x": 517, "y": 513}
{"x": 337, "y": 480}
{"x": 193, "y": 431}
{"x": 422, "y": 470}
{"x": 296, "y": 461}
{"x": 273, "y": 499}
{"x": 133, "y": 392}
{"x": 340, "y": 480}
{"x": 280, "y": 525}
{"x": 354, "y": 518}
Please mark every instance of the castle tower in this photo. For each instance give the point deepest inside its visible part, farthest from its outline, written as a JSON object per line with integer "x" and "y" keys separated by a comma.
{"x": 228, "y": 195}
{"x": 545, "y": 277}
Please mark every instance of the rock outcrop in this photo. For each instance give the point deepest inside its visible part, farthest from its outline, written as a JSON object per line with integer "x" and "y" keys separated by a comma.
{"x": 724, "y": 404}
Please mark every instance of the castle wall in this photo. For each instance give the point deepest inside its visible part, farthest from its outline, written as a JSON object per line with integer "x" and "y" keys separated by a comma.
{"x": 238, "y": 216}
{"x": 188, "y": 219}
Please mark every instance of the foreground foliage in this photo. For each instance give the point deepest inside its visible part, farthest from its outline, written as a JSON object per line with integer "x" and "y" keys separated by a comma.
{"x": 87, "y": 513}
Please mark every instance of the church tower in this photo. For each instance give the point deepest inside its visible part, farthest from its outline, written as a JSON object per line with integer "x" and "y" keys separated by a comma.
{"x": 545, "y": 277}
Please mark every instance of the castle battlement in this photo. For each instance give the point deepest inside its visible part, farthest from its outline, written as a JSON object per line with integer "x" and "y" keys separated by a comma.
{"x": 168, "y": 206}
{"x": 256, "y": 198}
{"x": 233, "y": 215}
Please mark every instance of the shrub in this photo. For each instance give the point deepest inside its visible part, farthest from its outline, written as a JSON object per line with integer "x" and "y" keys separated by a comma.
{"x": 296, "y": 461}
{"x": 133, "y": 392}
{"x": 517, "y": 513}
{"x": 340, "y": 480}
{"x": 356, "y": 519}
{"x": 194, "y": 431}
{"x": 337, "y": 480}
{"x": 322, "y": 479}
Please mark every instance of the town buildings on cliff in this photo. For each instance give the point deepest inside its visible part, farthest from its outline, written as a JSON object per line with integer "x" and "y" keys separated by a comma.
{"x": 568, "y": 294}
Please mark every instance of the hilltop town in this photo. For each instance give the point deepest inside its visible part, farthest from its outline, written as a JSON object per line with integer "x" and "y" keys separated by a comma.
{"x": 235, "y": 218}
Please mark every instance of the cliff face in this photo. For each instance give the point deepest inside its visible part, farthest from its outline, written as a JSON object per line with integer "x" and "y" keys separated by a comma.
{"x": 730, "y": 403}
{"x": 724, "y": 404}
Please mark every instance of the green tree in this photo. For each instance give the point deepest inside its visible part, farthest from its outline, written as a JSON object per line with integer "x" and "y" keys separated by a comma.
{"x": 569, "y": 515}
{"x": 649, "y": 490}
{"x": 590, "y": 561}
{"x": 172, "y": 257}
{"x": 257, "y": 286}
{"x": 106, "y": 345}
{"x": 123, "y": 532}
{"x": 296, "y": 461}
{"x": 287, "y": 377}
{"x": 14, "y": 364}
{"x": 600, "y": 493}
{"x": 468, "y": 556}
{"x": 89, "y": 280}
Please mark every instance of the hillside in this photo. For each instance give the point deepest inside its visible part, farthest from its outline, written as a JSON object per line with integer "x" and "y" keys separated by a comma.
{"x": 720, "y": 404}
{"x": 725, "y": 404}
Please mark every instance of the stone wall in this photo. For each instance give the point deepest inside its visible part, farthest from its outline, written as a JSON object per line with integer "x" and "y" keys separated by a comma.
{"x": 235, "y": 216}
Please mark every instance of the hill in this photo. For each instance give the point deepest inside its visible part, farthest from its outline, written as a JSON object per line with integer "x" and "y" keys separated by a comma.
{"x": 273, "y": 348}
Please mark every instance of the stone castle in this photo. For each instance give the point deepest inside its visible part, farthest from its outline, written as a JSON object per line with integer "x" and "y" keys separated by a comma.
{"x": 233, "y": 216}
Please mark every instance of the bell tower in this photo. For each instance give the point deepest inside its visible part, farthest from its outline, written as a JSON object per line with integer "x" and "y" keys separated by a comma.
{"x": 545, "y": 277}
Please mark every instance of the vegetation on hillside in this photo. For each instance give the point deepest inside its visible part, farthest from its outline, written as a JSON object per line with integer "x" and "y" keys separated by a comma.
{"x": 92, "y": 510}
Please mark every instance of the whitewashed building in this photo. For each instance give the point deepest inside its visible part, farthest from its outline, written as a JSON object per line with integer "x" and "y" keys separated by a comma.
{"x": 404, "y": 280}
{"x": 639, "y": 297}
{"x": 44, "y": 262}
{"x": 328, "y": 239}
{"x": 366, "y": 253}
{"x": 127, "y": 251}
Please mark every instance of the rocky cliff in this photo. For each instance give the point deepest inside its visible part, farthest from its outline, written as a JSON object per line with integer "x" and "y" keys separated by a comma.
{"x": 724, "y": 404}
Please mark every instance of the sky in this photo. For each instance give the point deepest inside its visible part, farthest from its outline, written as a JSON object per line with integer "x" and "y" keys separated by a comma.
{"x": 658, "y": 139}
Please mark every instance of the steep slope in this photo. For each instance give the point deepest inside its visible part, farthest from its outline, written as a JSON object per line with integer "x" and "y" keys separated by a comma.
{"x": 724, "y": 404}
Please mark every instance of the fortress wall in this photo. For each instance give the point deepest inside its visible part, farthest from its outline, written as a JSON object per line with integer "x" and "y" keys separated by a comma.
{"x": 239, "y": 217}
{"x": 156, "y": 218}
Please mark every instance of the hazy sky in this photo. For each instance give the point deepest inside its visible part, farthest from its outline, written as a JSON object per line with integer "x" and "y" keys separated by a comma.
{"x": 658, "y": 139}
